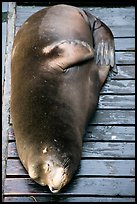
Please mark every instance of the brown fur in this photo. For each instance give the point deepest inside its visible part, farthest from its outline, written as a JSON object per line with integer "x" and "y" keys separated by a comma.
{"x": 53, "y": 95}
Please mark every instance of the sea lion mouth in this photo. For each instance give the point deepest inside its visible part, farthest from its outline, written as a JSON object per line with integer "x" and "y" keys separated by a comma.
{"x": 54, "y": 190}
{"x": 56, "y": 179}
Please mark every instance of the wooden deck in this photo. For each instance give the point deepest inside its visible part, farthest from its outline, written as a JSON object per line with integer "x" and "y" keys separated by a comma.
{"x": 107, "y": 170}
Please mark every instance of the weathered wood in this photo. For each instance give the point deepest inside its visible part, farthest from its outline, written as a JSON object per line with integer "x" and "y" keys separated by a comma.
{"x": 125, "y": 72}
{"x": 108, "y": 150}
{"x": 126, "y": 31}
{"x": 124, "y": 44}
{"x": 15, "y": 168}
{"x": 115, "y": 16}
{"x": 6, "y": 86}
{"x": 109, "y": 133}
{"x": 79, "y": 186}
{"x": 121, "y": 117}
{"x": 118, "y": 87}
{"x": 125, "y": 57}
{"x": 93, "y": 168}
{"x": 108, "y": 3}
{"x": 116, "y": 102}
{"x": 4, "y": 25}
{"x": 11, "y": 135}
{"x": 95, "y": 150}
{"x": 64, "y": 198}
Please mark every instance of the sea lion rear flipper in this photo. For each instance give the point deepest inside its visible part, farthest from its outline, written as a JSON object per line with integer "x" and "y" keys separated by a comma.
{"x": 104, "y": 46}
{"x": 67, "y": 53}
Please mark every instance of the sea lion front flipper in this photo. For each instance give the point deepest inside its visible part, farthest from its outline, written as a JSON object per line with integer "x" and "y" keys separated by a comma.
{"x": 104, "y": 46}
{"x": 66, "y": 53}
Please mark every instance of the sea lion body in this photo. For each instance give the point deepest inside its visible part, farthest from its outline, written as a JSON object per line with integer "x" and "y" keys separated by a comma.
{"x": 56, "y": 77}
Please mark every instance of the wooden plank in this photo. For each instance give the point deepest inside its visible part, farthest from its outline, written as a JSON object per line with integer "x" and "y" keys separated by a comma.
{"x": 110, "y": 133}
{"x": 3, "y": 49}
{"x": 93, "y": 168}
{"x": 107, "y": 3}
{"x": 6, "y": 86}
{"x": 4, "y": 6}
{"x": 15, "y": 168}
{"x": 108, "y": 150}
{"x": 78, "y": 186}
{"x": 63, "y": 198}
{"x": 11, "y": 135}
{"x": 115, "y": 16}
{"x": 103, "y": 133}
{"x": 116, "y": 102}
{"x": 4, "y": 36}
{"x": 125, "y": 72}
{"x": 125, "y": 58}
{"x": 125, "y": 44}
{"x": 126, "y": 31}
{"x": 95, "y": 150}
{"x": 121, "y": 117}
{"x": 118, "y": 87}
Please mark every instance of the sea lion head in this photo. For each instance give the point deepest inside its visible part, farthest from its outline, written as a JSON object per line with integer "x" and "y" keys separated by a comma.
{"x": 49, "y": 173}
{"x": 53, "y": 167}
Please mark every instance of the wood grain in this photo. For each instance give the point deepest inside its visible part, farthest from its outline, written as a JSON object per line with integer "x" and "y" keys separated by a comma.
{"x": 65, "y": 198}
{"x": 79, "y": 186}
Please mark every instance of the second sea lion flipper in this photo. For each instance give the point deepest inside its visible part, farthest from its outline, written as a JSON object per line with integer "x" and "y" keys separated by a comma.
{"x": 104, "y": 46}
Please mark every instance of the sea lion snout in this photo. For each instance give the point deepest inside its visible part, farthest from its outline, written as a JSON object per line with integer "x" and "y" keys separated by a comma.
{"x": 57, "y": 178}
{"x": 51, "y": 174}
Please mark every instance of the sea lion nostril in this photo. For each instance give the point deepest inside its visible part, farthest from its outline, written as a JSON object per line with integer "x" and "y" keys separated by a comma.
{"x": 53, "y": 189}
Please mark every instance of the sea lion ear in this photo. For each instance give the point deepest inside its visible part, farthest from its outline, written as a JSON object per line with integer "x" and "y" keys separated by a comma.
{"x": 104, "y": 46}
{"x": 67, "y": 53}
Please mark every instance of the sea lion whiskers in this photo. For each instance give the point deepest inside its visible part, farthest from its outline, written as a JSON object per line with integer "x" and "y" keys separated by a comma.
{"x": 65, "y": 164}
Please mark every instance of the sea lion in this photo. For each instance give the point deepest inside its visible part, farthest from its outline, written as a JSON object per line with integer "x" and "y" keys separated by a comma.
{"x": 61, "y": 57}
